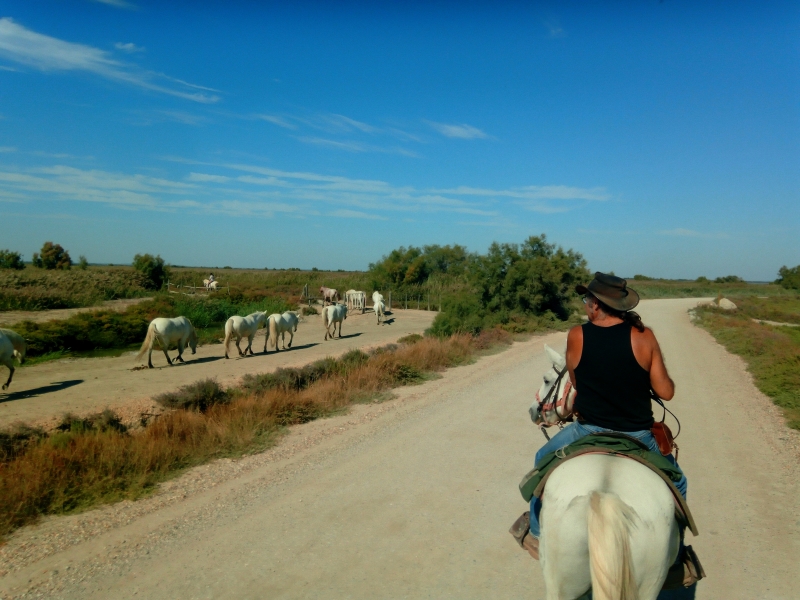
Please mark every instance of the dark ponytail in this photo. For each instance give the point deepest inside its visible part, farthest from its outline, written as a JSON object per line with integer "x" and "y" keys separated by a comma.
{"x": 630, "y": 317}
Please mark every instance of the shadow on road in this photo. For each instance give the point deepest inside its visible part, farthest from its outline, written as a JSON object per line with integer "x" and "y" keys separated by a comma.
{"x": 45, "y": 389}
{"x": 679, "y": 594}
{"x": 351, "y": 335}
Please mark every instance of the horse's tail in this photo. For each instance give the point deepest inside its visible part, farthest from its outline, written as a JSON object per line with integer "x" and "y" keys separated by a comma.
{"x": 610, "y": 562}
{"x": 273, "y": 332}
{"x": 147, "y": 345}
{"x": 18, "y": 343}
{"x": 228, "y": 334}
{"x": 325, "y": 321}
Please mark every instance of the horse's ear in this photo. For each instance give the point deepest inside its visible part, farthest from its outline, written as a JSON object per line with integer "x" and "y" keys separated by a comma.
{"x": 558, "y": 361}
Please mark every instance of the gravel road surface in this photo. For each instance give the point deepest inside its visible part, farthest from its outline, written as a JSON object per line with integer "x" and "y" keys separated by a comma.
{"x": 412, "y": 498}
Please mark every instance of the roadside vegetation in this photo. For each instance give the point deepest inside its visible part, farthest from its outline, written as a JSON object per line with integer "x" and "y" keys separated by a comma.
{"x": 772, "y": 352}
{"x": 88, "y": 461}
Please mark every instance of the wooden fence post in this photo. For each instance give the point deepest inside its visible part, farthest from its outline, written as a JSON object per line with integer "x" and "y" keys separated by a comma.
{"x": 390, "y": 299}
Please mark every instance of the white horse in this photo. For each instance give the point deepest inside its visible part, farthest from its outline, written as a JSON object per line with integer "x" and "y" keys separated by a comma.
{"x": 210, "y": 285}
{"x": 380, "y": 310}
{"x": 281, "y": 325}
{"x": 329, "y": 295}
{"x": 331, "y": 315}
{"x": 12, "y": 345}
{"x": 168, "y": 331}
{"x": 607, "y": 523}
{"x": 240, "y": 327}
{"x": 356, "y": 300}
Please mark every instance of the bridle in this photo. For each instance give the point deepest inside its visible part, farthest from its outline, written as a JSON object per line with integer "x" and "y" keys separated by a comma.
{"x": 549, "y": 403}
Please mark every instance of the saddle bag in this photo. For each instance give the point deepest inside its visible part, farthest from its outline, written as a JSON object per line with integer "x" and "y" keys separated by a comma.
{"x": 664, "y": 438}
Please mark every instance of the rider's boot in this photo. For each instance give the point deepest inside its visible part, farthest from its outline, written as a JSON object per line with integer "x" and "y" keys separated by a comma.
{"x": 521, "y": 530}
{"x": 686, "y": 571}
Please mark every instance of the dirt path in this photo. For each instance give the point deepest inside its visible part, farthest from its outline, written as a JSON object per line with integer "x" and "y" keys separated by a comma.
{"x": 10, "y": 317}
{"x": 412, "y": 498}
{"x": 42, "y": 393}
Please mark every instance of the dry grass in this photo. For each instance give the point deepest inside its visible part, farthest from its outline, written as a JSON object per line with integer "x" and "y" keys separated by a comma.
{"x": 91, "y": 461}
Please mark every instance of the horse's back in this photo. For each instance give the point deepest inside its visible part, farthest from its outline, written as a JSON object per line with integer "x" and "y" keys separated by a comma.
{"x": 566, "y": 505}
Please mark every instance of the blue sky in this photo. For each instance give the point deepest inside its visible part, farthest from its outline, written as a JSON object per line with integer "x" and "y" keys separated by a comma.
{"x": 660, "y": 138}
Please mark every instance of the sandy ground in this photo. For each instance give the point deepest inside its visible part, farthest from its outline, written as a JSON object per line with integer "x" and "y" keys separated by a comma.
{"x": 42, "y": 393}
{"x": 9, "y": 317}
{"x": 412, "y": 498}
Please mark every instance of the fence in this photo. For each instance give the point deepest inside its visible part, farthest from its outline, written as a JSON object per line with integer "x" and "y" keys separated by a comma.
{"x": 192, "y": 290}
{"x": 425, "y": 301}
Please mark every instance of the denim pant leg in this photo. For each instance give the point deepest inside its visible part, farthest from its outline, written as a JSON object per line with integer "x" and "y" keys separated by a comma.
{"x": 570, "y": 433}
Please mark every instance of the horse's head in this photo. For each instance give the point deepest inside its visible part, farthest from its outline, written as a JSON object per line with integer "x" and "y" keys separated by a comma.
{"x": 555, "y": 386}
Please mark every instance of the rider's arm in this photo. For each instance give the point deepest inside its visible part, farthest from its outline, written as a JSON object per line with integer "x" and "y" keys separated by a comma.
{"x": 647, "y": 350}
{"x": 574, "y": 351}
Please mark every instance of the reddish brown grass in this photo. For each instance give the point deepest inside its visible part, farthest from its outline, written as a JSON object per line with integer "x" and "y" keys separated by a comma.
{"x": 72, "y": 470}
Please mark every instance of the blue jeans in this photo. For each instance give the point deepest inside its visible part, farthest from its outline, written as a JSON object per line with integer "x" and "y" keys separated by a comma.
{"x": 575, "y": 431}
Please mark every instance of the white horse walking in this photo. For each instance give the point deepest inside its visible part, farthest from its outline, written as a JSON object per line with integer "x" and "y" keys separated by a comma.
{"x": 281, "y": 325}
{"x": 356, "y": 300}
{"x": 168, "y": 331}
{"x": 240, "y": 327}
{"x": 607, "y": 522}
{"x": 210, "y": 284}
{"x": 380, "y": 311}
{"x": 331, "y": 315}
{"x": 329, "y": 295}
{"x": 12, "y": 345}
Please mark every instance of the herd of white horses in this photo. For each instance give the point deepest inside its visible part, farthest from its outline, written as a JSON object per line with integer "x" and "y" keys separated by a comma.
{"x": 179, "y": 331}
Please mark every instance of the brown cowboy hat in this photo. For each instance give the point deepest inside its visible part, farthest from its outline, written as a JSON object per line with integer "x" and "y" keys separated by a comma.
{"x": 611, "y": 291}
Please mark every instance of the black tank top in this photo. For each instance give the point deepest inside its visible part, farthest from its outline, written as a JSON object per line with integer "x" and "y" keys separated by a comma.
{"x": 613, "y": 388}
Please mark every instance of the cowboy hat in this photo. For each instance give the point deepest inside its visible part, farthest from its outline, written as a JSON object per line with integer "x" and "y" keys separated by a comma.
{"x": 611, "y": 291}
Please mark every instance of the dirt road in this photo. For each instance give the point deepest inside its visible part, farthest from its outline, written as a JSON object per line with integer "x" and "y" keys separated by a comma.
{"x": 10, "y": 317}
{"x": 412, "y": 498}
{"x": 42, "y": 393}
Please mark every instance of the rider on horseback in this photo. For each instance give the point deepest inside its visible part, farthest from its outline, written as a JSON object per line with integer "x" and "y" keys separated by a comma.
{"x": 616, "y": 365}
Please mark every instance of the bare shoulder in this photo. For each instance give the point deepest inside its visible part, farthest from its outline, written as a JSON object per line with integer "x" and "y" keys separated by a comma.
{"x": 575, "y": 334}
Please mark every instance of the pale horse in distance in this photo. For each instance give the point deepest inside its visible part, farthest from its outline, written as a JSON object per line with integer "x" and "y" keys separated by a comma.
{"x": 329, "y": 295}
{"x": 331, "y": 315}
{"x": 12, "y": 345}
{"x": 210, "y": 285}
{"x": 280, "y": 325}
{"x": 355, "y": 300}
{"x": 378, "y": 305}
{"x": 239, "y": 327}
{"x": 177, "y": 331}
{"x": 607, "y": 523}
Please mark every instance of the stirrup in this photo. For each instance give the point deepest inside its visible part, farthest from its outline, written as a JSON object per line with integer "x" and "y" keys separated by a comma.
{"x": 521, "y": 530}
{"x": 686, "y": 572}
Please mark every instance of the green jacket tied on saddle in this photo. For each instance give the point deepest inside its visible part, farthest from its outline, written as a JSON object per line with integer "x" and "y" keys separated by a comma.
{"x": 609, "y": 443}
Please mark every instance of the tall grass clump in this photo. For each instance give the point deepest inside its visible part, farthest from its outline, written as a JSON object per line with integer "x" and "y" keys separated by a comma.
{"x": 94, "y": 460}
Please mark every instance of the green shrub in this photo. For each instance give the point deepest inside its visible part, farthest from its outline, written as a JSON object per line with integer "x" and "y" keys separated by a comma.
{"x": 83, "y": 264}
{"x": 11, "y": 260}
{"x": 410, "y": 339}
{"x": 155, "y": 272}
{"x": 789, "y": 278}
{"x": 200, "y": 396}
{"x": 52, "y": 256}
{"x": 729, "y": 279}
{"x": 107, "y": 420}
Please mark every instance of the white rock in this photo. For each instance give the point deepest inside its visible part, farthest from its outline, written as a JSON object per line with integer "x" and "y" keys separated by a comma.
{"x": 726, "y": 304}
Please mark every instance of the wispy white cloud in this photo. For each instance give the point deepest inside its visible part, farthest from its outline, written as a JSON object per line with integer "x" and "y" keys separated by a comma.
{"x": 464, "y": 132}
{"x": 117, "y": 4}
{"x": 680, "y": 232}
{"x": 7, "y": 149}
{"x": 5, "y": 68}
{"x": 47, "y": 53}
{"x": 352, "y": 146}
{"x": 276, "y": 120}
{"x": 247, "y": 189}
{"x": 129, "y": 47}
{"x": 555, "y": 29}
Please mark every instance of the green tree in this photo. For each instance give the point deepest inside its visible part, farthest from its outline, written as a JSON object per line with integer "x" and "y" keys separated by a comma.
{"x": 789, "y": 278}
{"x": 83, "y": 264}
{"x": 153, "y": 268}
{"x": 11, "y": 260}
{"x": 729, "y": 279}
{"x": 52, "y": 256}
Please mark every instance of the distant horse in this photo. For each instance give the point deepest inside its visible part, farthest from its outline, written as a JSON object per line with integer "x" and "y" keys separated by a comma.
{"x": 240, "y": 327}
{"x": 331, "y": 315}
{"x": 12, "y": 345}
{"x": 608, "y": 523}
{"x": 355, "y": 300}
{"x": 281, "y": 325}
{"x": 210, "y": 285}
{"x": 168, "y": 331}
{"x": 376, "y": 297}
{"x": 329, "y": 295}
{"x": 380, "y": 310}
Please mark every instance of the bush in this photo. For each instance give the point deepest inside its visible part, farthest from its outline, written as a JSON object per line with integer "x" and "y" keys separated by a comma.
{"x": 199, "y": 396}
{"x": 83, "y": 264}
{"x": 410, "y": 339}
{"x": 642, "y": 278}
{"x": 729, "y": 279}
{"x": 156, "y": 273}
{"x": 11, "y": 260}
{"x": 52, "y": 256}
{"x": 789, "y": 278}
